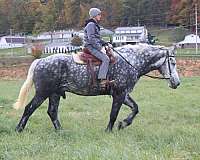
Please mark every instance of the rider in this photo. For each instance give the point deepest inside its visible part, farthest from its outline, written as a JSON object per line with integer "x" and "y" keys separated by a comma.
{"x": 94, "y": 43}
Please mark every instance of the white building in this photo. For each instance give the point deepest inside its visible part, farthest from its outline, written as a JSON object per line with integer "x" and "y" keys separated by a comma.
{"x": 55, "y": 36}
{"x": 103, "y": 32}
{"x": 130, "y": 35}
{"x": 12, "y": 42}
{"x": 190, "y": 41}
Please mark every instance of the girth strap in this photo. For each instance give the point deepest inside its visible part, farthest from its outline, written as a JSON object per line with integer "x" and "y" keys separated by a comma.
{"x": 90, "y": 69}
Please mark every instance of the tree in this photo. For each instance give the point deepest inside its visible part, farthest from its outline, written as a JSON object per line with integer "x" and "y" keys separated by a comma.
{"x": 182, "y": 12}
{"x": 76, "y": 41}
{"x": 33, "y": 17}
{"x": 151, "y": 39}
{"x": 46, "y": 17}
{"x": 4, "y": 24}
{"x": 68, "y": 13}
{"x": 144, "y": 12}
{"x": 112, "y": 13}
{"x": 5, "y": 14}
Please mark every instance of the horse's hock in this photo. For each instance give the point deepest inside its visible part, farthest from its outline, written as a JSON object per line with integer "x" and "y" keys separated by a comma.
{"x": 17, "y": 68}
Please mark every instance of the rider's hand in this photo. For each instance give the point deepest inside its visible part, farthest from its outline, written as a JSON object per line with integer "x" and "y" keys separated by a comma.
{"x": 105, "y": 44}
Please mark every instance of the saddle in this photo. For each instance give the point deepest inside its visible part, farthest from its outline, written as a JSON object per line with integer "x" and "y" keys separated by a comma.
{"x": 85, "y": 57}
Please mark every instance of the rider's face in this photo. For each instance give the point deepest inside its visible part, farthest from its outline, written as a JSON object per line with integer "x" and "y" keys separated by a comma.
{"x": 98, "y": 17}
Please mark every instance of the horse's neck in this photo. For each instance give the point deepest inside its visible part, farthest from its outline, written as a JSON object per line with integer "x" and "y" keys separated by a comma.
{"x": 143, "y": 58}
{"x": 144, "y": 63}
{"x": 139, "y": 62}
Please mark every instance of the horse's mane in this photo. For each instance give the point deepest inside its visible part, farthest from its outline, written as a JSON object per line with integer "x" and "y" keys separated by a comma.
{"x": 140, "y": 48}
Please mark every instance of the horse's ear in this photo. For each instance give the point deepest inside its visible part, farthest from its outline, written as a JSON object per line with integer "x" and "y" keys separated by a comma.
{"x": 173, "y": 48}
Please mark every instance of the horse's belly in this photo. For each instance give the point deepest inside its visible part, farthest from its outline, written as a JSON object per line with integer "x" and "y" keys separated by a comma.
{"x": 83, "y": 88}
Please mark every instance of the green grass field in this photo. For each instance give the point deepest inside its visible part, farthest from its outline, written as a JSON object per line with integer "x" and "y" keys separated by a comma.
{"x": 13, "y": 52}
{"x": 167, "y": 127}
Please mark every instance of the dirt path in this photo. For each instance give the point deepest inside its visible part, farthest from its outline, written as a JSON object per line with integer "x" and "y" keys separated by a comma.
{"x": 19, "y": 69}
{"x": 14, "y": 72}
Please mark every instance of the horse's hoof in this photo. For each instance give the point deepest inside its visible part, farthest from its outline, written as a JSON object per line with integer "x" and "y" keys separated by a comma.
{"x": 19, "y": 129}
{"x": 108, "y": 130}
{"x": 120, "y": 125}
{"x": 58, "y": 129}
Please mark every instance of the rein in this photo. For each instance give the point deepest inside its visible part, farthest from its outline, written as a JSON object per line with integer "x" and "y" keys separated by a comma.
{"x": 154, "y": 77}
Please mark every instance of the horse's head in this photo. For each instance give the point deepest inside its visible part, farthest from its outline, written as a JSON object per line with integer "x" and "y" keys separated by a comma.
{"x": 146, "y": 58}
{"x": 168, "y": 68}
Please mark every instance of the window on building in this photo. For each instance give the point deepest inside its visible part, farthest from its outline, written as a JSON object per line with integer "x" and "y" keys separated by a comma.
{"x": 136, "y": 37}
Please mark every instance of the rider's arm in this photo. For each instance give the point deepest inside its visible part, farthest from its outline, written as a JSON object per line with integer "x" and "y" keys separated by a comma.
{"x": 93, "y": 36}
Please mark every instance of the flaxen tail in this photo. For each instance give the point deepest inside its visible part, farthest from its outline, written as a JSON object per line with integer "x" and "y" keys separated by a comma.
{"x": 26, "y": 87}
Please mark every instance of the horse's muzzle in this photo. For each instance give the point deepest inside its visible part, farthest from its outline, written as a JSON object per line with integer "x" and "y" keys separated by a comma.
{"x": 173, "y": 84}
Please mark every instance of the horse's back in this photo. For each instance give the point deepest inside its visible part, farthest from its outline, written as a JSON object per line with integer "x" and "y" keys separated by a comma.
{"x": 59, "y": 56}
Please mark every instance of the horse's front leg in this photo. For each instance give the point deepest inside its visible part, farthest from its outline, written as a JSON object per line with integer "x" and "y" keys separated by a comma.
{"x": 54, "y": 100}
{"x": 134, "y": 108}
{"x": 118, "y": 99}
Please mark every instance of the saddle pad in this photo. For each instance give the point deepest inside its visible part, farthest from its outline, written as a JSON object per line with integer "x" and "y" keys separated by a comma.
{"x": 78, "y": 60}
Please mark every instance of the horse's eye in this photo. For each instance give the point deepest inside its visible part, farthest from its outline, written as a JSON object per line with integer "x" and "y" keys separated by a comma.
{"x": 172, "y": 60}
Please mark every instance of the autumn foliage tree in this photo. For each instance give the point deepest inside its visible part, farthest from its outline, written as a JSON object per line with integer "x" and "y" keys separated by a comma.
{"x": 31, "y": 16}
{"x": 182, "y": 12}
{"x": 76, "y": 41}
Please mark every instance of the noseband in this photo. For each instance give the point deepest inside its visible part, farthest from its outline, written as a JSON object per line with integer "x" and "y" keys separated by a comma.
{"x": 168, "y": 63}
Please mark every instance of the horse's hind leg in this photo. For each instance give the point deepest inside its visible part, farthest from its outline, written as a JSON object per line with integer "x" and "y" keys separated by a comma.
{"x": 54, "y": 100}
{"x": 118, "y": 99}
{"x": 134, "y": 108}
{"x": 29, "y": 109}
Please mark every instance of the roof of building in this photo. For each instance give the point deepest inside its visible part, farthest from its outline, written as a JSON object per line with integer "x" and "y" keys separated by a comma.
{"x": 129, "y": 28}
{"x": 14, "y": 39}
{"x": 190, "y": 39}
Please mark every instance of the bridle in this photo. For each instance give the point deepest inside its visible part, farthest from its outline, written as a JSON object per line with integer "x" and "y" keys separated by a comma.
{"x": 167, "y": 58}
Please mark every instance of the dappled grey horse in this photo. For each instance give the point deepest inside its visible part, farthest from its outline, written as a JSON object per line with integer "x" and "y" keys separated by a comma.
{"x": 54, "y": 75}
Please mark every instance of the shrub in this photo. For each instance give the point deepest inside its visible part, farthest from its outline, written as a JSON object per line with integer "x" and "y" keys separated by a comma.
{"x": 36, "y": 50}
{"x": 76, "y": 41}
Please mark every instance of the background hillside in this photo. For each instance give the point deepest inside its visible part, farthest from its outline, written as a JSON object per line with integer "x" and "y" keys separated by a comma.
{"x": 30, "y": 16}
